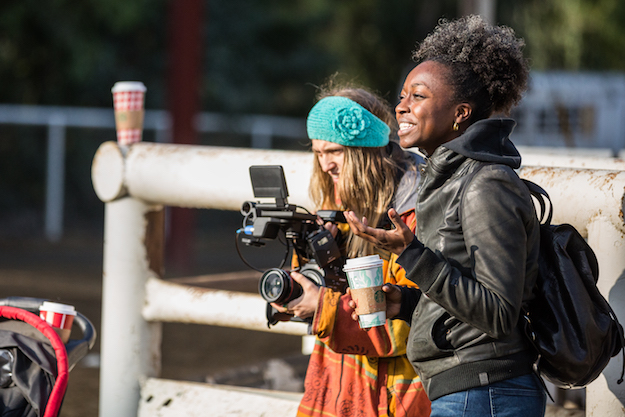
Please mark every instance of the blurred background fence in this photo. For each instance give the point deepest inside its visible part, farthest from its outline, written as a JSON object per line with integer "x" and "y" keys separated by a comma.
{"x": 579, "y": 112}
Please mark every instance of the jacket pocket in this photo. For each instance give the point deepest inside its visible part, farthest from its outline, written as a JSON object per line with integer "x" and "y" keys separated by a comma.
{"x": 435, "y": 333}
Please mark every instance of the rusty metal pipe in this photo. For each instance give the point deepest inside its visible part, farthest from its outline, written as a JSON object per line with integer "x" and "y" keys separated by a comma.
{"x": 581, "y": 195}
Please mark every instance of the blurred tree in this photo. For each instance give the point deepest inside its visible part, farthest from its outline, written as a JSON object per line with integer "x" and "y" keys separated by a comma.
{"x": 67, "y": 52}
{"x": 268, "y": 55}
{"x": 260, "y": 56}
{"x": 572, "y": 34}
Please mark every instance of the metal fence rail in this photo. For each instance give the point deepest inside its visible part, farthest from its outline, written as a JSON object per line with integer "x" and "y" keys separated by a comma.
{"x": 136, "y": 184}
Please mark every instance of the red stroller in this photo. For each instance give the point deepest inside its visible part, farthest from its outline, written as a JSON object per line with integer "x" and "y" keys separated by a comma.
{"x": 34, "y": 362}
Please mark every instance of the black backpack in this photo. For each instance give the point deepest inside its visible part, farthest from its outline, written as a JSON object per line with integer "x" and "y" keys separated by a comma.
{"x": 569, "y": 323}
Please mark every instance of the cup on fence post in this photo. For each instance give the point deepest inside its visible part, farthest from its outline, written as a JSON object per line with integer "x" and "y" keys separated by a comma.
{"x": 128, "y": 101}
{"x": 59, "y": 316}
{"x": 365, "y": 279}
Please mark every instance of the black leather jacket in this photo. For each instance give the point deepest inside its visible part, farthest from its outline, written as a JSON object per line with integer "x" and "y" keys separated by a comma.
{"x": 475, "y": 261}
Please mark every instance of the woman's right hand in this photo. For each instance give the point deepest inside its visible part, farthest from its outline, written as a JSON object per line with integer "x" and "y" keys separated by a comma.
{"x": 305, "y": 305}
{"x": 394, "y": 240}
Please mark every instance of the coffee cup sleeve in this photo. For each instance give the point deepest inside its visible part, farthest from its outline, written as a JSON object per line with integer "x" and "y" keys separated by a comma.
{"x": 369, "y": 300}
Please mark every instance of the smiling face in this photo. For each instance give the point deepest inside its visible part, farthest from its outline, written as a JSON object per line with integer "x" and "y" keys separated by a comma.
{"x": 426, "y": 111}
{"x": 330, "y": 156}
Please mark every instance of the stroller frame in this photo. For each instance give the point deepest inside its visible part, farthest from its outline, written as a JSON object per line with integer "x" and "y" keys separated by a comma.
{"x": 67, "y": 356}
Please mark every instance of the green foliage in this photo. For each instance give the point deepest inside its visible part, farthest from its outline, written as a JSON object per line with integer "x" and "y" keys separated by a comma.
{"x": 267, "y": 56}
{"x": 572, "y": 34}
{"x": 258, "y": 56}
{"x": 68, "y": 52}
{"x": 270, "y": 55}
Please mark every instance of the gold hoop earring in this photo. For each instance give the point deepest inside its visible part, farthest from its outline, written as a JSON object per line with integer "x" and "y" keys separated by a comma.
{"x": 455, "y": 127}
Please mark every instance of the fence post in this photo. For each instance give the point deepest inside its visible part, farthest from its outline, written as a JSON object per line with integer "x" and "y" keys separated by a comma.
{"x": 604, "y": 397}
{"x": 261, "y": 134}
{"x": 55, "y": 176}
{"x": 130, "y": 346}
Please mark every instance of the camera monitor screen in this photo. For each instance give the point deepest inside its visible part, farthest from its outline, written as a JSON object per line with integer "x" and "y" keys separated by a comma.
{"x": 268, "y": 181}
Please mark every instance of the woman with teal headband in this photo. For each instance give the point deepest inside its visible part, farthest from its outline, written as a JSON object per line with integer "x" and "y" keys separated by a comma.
{"x": 357, "y": 167}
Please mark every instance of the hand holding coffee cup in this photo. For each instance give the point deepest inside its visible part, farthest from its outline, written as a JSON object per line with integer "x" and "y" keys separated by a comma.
{"x": 59, "y": 316}
{"x": 393, "y": 301}
{"x": 365, "y": 279}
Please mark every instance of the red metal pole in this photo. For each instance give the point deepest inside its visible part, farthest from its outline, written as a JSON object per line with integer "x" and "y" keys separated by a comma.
{"x": 186, "y": 18}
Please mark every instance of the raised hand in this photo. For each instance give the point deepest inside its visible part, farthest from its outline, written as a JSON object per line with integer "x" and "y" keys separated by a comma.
{"x": 394, "y": 240}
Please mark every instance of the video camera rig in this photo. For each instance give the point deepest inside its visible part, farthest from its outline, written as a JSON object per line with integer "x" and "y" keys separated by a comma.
{"x": 315, "y": 248}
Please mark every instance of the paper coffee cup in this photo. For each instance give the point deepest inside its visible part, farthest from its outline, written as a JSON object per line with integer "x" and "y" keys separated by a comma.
{"x": 128, "y": 102}
{"x": 59, "y": 316}
{"x": 365, "y": 277}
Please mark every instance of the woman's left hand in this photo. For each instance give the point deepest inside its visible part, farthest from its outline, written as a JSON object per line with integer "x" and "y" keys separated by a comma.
{"x": 329, "y": 226}
{"x": 393, "y": 301}
{"x": 394, "y": 240}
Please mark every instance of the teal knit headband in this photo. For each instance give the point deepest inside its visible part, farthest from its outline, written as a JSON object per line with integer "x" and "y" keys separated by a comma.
{"x": 343, "y": 121}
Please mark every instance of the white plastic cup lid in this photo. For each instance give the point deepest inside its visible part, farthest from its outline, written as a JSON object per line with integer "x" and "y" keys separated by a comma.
{"x": 364, "y": 262}
{"x": 58, "y": 308}
{"x": 121, "y": 86}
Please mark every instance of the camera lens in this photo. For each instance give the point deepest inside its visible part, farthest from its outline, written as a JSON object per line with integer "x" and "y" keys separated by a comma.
{"x": 277, "y": 286}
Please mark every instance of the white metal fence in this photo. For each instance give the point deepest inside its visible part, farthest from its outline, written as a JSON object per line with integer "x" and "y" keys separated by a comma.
{"x": 137, "y": 183}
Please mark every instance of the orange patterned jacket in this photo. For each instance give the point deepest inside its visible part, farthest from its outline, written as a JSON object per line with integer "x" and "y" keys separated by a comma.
{"x": 355, "y": 372}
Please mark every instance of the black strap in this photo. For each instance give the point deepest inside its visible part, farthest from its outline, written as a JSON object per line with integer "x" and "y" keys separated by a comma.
{"x": 542, "y": 197}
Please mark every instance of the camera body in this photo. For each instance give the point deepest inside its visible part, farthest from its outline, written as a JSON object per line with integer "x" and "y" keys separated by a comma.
{"x": 315, "y": 248}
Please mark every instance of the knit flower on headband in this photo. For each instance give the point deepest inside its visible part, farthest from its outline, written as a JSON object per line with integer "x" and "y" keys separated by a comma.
{"x": 351, "y": 123}
{"x": 341, "y": 120}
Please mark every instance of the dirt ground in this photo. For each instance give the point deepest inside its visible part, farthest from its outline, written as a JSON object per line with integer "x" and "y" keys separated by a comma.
{"x": 71, "y": 272}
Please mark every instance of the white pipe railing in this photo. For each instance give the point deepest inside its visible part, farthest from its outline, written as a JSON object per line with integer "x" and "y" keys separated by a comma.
{"x": 55, "y": 175}
{"x": 135, "y": 184}
{"x": 207, "y": 176}
{"x": 170, "y": 302}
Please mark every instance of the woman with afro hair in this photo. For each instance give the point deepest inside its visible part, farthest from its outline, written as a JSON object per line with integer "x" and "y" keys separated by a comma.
{"x": 474, "y": 253}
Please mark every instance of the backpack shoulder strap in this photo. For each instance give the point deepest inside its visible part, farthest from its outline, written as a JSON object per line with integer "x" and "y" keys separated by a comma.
{"x": 546, "y": 207}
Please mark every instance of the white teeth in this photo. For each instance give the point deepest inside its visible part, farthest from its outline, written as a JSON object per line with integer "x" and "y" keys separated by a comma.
{"x": 403, "y": 126}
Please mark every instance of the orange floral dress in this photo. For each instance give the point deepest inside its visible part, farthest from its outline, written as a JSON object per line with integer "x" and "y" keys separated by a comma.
{"x": 355, "y": 372}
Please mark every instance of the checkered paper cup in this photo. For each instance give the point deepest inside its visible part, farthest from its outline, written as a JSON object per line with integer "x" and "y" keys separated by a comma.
{"x": 365, "y": 279}
{"x": 59, "y": 316}
{"x": 128, "y": 102}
